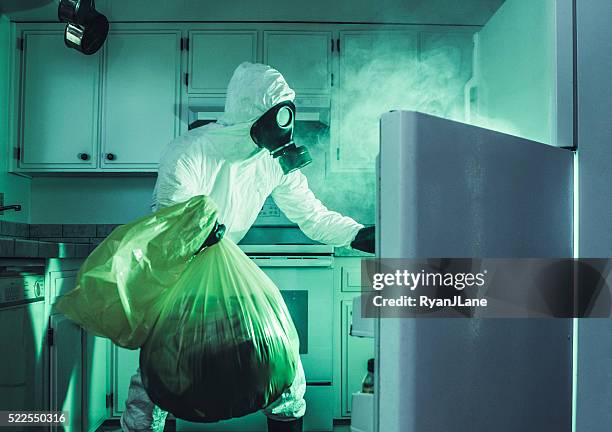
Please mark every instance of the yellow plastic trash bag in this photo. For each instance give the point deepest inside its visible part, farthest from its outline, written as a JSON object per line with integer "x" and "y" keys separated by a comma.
{"x": 224, "y": 345}
{"x": 121, "y": 282}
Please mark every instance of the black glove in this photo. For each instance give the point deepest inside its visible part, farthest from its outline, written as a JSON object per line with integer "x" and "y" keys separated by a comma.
{"x": 364, "y": 240}
{"x": 216, "y": 234}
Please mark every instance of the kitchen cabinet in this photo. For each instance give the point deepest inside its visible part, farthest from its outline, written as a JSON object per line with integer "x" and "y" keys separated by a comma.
{"x": 140, "y": 97}
{"x": 350, "y": 353}
{"x": 213, "y": 56}
{"x": 454, "y": 50}
{"x": 95, "y": 385}
{"x": 355, "y": 354}
{"x": 77, "y": 360}
{"x": 116, "y": 110}
{"x": 423, "y": 69}
{"x": 66, "y": 368}
{"x": 304, "y": 58}
{"x": 125, "y": 363}
{"x": 113, "y": 111}
{"x": 368, "y": 60}
{"x": 59, "y": 104}
{"x": 61, "y": 282}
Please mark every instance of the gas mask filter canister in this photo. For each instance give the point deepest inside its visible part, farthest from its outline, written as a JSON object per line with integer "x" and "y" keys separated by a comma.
{"x": 274, "y": 132}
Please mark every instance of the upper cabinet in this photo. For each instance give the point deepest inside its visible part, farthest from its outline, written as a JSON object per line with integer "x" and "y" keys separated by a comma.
{"x": 372, "y": 64}
{"x": 303, "y": 57}
{"x": 140, "y": 97}
{"x": 59, "y": 106}
{"x": 112, "y": 111}
{"x": 425, "y": 69}
{"x": 213, "y": 56}
{"x": 116, "y": 111}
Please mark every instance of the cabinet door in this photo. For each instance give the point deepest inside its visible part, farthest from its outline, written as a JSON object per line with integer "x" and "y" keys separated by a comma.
{"x": 95, "y": 354}
{"x": 455, "y": 51}
{"x": 372, "y": 65}
{"x": 125, "y": 365}
{"x": 355, "y": 354}
{"x": 213, "y": 56}
{"x": 61, "y": 283}
{"x": 66, "y": 371}
{"x": 141, "y": 97}
{"x": 59, "y": 104}
{"x": 302, "y": 57}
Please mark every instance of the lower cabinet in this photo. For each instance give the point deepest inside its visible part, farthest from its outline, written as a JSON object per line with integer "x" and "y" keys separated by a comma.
{"x": 351, "y": 353}
{"x": 95, "y": 382}
{"x": 66, "y": 366}
{"x": 125, "y": 363}
{"x": 355, "y": 354}
{"x": 78, "y": 380}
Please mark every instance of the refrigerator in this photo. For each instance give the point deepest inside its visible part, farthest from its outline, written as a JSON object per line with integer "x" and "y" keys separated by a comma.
{"x": 448, "y": 189}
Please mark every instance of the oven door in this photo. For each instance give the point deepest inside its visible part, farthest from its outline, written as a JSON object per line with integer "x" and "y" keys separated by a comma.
{"x": 306, "y": 284}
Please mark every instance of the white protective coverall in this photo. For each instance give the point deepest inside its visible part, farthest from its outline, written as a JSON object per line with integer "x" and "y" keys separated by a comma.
{"x": 221, "y": 160}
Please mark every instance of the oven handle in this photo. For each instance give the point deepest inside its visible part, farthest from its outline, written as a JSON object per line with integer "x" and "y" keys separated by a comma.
{"x": 292, "y": 261}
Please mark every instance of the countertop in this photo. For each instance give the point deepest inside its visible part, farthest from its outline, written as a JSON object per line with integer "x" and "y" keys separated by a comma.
{"x": 25, "y": 248}
{"x": 348, "y": 252}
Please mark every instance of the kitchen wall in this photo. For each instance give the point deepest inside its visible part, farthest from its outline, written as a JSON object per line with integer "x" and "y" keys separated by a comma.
{"x": 16, "y": 189}
{"x": 116, "y": 200}
{"x": 90, "y": 200}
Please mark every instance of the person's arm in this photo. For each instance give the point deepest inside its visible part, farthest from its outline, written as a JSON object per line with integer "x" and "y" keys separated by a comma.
{"x": 296, "y": 200}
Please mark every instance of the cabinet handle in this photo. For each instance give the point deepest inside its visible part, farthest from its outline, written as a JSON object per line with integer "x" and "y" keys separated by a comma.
{"x": 110, "y": 156}
{"x": 84, "y": 156}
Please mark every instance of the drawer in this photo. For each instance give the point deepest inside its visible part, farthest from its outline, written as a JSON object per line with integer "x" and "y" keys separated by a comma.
{"x": 351, "y": 278}
{"x": 61, "y": 283}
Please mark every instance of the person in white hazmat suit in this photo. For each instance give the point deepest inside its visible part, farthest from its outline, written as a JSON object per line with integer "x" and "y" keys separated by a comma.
{"x": 247, "y": 155}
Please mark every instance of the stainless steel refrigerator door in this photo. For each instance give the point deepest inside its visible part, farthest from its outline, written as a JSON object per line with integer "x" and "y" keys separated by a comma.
{"x": 448, "y": 189}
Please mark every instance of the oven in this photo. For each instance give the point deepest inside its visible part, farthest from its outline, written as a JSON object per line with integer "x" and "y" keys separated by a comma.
{"x": 304, "y": 276}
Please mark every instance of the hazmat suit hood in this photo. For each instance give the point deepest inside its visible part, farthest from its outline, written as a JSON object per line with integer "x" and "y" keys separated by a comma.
{"x": 253, "y": 89}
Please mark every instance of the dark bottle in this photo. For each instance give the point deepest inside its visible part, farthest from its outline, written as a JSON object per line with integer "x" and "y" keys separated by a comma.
{"x": 367, "y": 385}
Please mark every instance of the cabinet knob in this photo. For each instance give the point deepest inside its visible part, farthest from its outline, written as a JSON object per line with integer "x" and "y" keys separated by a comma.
{"x": 83, "y": 156}
{"x": 110, "y": 156}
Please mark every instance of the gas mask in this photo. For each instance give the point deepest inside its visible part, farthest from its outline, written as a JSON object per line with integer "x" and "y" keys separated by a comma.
{"x": 87, "y": 29}
{"x": 274, "y": 132}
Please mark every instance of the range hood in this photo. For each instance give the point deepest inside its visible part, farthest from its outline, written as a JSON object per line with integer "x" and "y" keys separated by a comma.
{"x": 203, "y": 110}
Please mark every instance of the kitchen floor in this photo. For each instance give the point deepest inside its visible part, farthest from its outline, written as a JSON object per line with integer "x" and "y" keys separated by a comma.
{"x": 113, "y": 426}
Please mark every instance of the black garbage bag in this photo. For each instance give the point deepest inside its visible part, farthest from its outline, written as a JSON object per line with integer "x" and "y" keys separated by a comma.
{"x": 224, "y": 345}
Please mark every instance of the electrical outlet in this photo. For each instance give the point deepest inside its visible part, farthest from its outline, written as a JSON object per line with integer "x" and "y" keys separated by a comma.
{"x": 1, "y": 202}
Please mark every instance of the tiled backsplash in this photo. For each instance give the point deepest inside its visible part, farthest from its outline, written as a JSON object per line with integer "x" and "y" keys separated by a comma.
{"x": 71, "y": 233}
